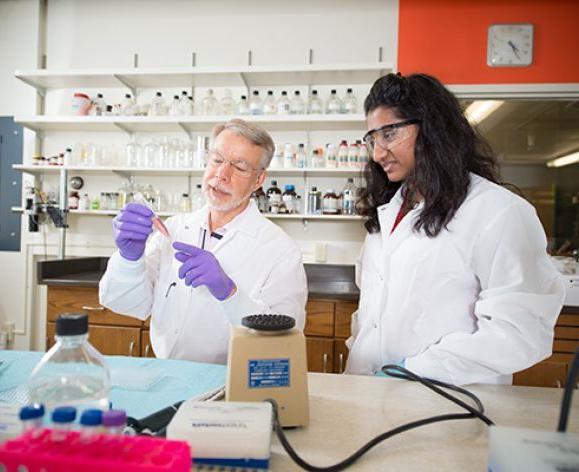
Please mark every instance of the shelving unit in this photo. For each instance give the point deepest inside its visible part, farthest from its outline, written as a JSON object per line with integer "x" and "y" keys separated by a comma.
{"x": 189, "y": 77}
{"x": 297, "y": 216}
{"x": 105, "y": 170}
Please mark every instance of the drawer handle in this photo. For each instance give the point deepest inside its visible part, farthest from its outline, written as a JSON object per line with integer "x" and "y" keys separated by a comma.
{"x": 341, "y": 369}
{"x": 325, "y": 363}
{"x": 93, "y": 308}
{"x": 147, "y": 351}
{"x": 558, "y": 383}
{"x": 131, "y": 347}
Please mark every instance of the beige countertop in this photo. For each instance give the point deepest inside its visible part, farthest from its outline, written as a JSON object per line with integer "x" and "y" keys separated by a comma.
{"x": 347, "y": 411}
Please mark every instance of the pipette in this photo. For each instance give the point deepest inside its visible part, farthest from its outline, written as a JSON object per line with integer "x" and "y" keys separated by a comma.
{"x": 157, "y": 222}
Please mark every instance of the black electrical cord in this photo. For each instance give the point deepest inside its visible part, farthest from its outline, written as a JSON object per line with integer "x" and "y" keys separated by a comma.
{"x": 568, "y": 394}
{"x": 401, "y": 373}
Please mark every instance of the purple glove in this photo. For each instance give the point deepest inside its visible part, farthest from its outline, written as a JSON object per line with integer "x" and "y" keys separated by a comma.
{"x": 200, "y": 267}
{"x": 131, "y": 227}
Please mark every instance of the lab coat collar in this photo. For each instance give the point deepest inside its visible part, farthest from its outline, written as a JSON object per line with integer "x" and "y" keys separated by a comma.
{"x": 245, "y": 222}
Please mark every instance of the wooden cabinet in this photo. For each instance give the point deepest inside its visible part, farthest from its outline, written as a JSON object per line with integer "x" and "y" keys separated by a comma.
{"x": 109, "y": 332}
{"x": 552, "y": 372}
{"x": 327, "y": 328}
{"x": 146, "y": 348}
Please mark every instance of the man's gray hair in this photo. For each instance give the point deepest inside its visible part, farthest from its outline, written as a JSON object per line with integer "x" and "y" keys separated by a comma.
{"x": 253, "y": 133}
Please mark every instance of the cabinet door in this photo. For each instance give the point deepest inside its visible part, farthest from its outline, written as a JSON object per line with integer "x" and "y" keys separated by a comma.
{"x": 108, "y": 340}
{"x": 319, "y": 318}
{"x": 146, "y": 349}
{"x": 320, "y": 354}
{"x": 543, "y": 374}
{"x": 116, "y": 340}
{"x": 84, "y": 300}
{"x": 340, "y": 356}
{"x": 344, "y": 312}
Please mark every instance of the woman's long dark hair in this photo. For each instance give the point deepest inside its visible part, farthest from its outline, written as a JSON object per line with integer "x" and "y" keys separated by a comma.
{"x": 447, "y": 149}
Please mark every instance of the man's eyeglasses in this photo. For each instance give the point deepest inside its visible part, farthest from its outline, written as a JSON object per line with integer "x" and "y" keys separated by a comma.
{"x": 240, "y": 167}
{"x": 388, "y": 136}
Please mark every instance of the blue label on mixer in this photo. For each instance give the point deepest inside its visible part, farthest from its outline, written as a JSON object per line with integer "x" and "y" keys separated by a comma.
{"x": 269, "y": 373}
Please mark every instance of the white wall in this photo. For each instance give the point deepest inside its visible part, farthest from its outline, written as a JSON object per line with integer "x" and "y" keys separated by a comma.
{"x": 107, "y": 33}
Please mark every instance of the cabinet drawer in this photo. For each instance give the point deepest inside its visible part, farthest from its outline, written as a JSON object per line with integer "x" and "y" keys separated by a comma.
{"x": 567, "y": 319}
{"x": 567, "y": 332}
{"x": 146, "y": 348}
{"x": 319, "y": 319}
{"x": 565, "y": 346}
{"x": 544, "y": 374}
{"x": 108, "y": 340}
{"x": 344, "y": 312}
{"x": 84, "y": 300}
{"x": 320, "y": 354}
{"x": 340, "y": 356}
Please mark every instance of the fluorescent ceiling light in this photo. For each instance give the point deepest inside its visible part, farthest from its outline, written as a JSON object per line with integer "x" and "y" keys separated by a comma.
{"x": 479, "y": 110}
{"x": 564, "y": 160}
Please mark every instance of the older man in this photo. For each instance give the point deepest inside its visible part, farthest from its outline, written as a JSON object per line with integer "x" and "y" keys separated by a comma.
{"x": 219, "y": 264}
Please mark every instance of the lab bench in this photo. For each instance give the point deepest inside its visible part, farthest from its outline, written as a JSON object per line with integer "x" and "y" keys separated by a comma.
{"x": 333, "y": 297}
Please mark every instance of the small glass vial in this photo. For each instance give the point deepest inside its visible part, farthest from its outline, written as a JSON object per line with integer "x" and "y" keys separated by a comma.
{"x": 32, "y": 417}
{"x": 90, "y": 423}
{"x": 114, "y": 421}
{"x": 330, "y": 203}
{"x": 62, "y": 419}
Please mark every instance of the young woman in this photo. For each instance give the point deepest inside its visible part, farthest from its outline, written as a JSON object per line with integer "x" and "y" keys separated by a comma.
{"x": 455, "y": 279}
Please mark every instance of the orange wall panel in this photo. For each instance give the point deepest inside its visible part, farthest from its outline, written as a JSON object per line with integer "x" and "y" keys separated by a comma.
{"x": 448, "y": 39}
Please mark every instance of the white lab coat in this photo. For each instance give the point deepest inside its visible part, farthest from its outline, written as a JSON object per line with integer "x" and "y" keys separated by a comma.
{"x": 189, "y": 323}
{"x": 474, "y": 304}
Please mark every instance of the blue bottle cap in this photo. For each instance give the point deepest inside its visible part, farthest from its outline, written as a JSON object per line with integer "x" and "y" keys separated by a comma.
{"x": 91, "y": 417}
{"x": 31, "y": 412}
{"x": 64, "y": 414}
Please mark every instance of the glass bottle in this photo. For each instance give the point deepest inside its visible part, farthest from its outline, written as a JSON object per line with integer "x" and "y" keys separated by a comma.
{"x": 273, "y": 195}
{"x": 331, "y": 158}
{"x": 334, "y": 104}
{"x": 315, "y": 104}
{"x": 269, "y": 104}
{"x": 277, "y": 159}
{"x": 349, "y": 198}
{"x": 255, "y": 104}
{"x": 128, "y": 106}
{"x": 209, "y": 105}
{"x": 184, "y": 103}
{"x": 297, "y": 105}
{"x": 72, "y": 372}
{"x": 313, "y": 203}
{"x": 157, "y": 107}
{"x": 197, "y": 198}
{"x": 288, "y": 157}
{"x": 243, "y": 106}
{"x": 353, "y": 155}
{"x": 185, "y": 203}
{"x": 349, "y": 102}
{"x": 73, "y": 200}
{"x": 261, "y": 198}
{"x": 362, "y": 154}
{"x": 283, "y": 104}
{"x": 84, "y": 203}
{"x": 150, "y": 150}
{"x": 343, "y": 154}
{"x": 175, "y": 106}
{"x": 100, "y": 106}
{"x": 227, "y": 103}
{"x": 133, "y": 154}
{"x": 301, "y": 157}
{"x": 289, "y": 198}
{"x": 330, "y": 203}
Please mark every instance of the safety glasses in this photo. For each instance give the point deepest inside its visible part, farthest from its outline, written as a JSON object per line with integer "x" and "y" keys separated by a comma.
{"x": 388, "y": 136}
{"x": 239, "y": 167}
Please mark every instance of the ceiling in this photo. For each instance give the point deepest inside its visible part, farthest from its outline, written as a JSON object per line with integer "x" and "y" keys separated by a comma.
{"x": 532, "y": 131}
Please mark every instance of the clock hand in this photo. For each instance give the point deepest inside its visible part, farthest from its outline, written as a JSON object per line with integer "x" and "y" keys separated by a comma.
{"x": 515, "y": 48}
